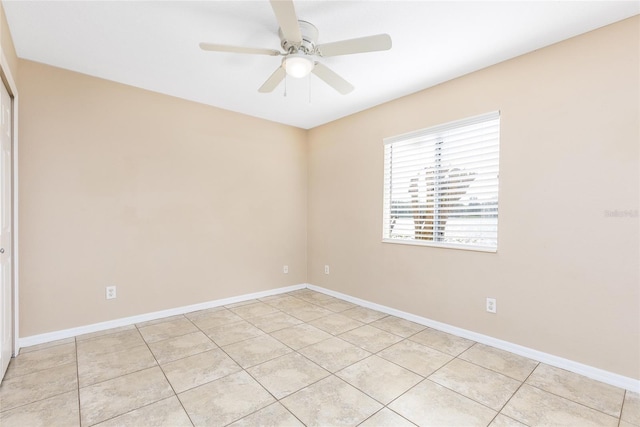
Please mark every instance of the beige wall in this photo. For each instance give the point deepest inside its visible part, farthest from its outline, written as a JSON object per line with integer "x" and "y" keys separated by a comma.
{"x": 566, "y": 277}
{"x": 174, "y": 202}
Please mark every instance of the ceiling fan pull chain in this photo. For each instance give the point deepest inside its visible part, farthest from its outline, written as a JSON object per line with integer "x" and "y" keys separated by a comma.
{"x": 285, "y": 85}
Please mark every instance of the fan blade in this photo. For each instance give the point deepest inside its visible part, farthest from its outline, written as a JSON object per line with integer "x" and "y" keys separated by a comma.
{"x": 273, "y": 81}
{"x": 238, "y": 49}
{"x": 332, "y": 79}
{"x": 359, "y": 45}
{"x": 287, "y": 19}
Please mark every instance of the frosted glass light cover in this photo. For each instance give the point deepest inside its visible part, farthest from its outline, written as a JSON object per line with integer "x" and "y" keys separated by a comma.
{"x": 298, "y": 66}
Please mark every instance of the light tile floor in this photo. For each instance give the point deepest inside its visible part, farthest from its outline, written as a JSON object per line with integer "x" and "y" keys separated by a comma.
{"x": 302, "y": 358}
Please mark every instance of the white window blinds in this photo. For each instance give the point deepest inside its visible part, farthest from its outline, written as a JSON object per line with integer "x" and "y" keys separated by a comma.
{"x": 441, "y": 185}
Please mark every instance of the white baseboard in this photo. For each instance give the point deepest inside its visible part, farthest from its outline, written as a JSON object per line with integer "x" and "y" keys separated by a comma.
{"x": 125, "y": 321}
{"x": 550, "y": 359}
{"x": 598, "y": 374}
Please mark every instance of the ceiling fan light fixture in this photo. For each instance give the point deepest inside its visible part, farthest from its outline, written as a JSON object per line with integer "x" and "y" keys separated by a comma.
{"x": 298, "y": 65}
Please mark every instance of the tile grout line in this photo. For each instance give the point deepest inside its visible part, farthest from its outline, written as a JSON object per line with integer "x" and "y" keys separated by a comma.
{"x": 624, "y": 397}
{"x": 271, "y": 394}
{"x": 44, "y": 398}
{"x": 137, "y": 329}
{"x": 389, "y": 409}
{"x": 165, "y": 375}
{"x": 403, "y": 393}
{"x": 11, "y": 361}
{"x": 502, "y": 374}
{"x": 296, "y": 351}
{"x": 577, "y": 403}
{"x": 371, "y": 354}
{"x": 523, "y": 382}
{"x": 426, "y": 378}
{"x": 384, "y": 405}
{"x": 457, "y": 392}
{"x": 499, "y": 411}
{"x": 243, "y": 369}
{"x": 75, "y": 345}
{"x": 493, "y": 370}
{"x": 144, "y": 343}
{"x": 571, "y": 400}
{"x": 417, "y": 343}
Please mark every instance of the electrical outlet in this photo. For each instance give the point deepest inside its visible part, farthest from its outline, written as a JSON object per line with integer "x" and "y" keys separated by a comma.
{"x": 111, "y": 292}
{"x": 491, "y": 305}
{"x": 326, "y": 269}
{"x": 285, "y": 269}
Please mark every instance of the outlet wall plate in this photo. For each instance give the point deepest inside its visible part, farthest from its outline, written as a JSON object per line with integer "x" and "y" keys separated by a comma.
{"x": 285, "y": 269}
{"x": 491, "y": 305}
{"x": 326, "y": 269}
{"x": 110, "y": 292}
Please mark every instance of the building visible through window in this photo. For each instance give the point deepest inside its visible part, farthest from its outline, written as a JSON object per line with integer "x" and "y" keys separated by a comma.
{"x": 441, "y": 185}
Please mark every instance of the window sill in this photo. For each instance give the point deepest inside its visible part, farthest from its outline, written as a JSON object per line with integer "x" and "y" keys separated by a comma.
{"x": 441, "y": 245}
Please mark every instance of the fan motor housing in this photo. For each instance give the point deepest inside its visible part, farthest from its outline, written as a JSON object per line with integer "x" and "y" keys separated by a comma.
{"x": 309, "y": 39}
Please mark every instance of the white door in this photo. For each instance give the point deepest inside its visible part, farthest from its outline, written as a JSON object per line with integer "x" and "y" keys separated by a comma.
{"x": 6, "y": 243}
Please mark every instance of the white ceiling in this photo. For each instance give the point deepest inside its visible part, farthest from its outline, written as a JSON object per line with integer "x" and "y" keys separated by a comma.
{"x": 154, "y": 45}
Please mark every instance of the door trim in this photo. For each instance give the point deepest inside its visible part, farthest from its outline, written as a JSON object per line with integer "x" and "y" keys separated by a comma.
{"x": 12, "y": 88}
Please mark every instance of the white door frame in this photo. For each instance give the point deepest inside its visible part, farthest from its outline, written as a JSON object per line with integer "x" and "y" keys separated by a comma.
{"x": 10, "y": 83}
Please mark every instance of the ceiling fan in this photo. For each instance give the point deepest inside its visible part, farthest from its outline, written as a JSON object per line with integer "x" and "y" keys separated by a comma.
{"x": 298, "y": 40}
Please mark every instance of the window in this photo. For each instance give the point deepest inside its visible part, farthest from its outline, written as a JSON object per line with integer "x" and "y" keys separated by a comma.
{"x": 441, "y": 185}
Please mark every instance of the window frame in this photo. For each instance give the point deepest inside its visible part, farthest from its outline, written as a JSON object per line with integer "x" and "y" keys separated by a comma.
{"x": 435, "y": 133}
